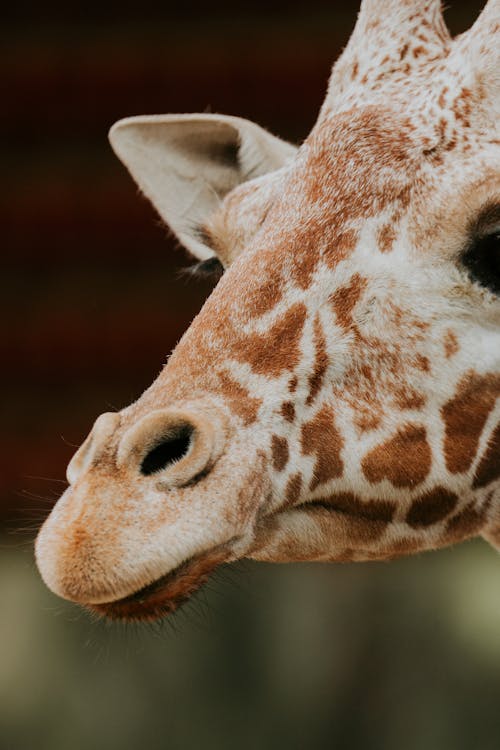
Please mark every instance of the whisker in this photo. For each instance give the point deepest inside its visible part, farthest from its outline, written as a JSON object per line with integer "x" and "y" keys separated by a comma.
{"x": 36, "y": 496}
{"x": 44, "y": 479}
{"x": 67, "y": 442}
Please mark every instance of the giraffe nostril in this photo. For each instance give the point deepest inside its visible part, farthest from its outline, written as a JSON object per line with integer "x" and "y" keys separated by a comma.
{"x": 169, "y": 451}
{"x": 173, "y": 446}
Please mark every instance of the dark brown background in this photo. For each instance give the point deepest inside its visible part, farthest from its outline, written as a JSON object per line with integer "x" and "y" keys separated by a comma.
{"x": 405, "y": 655}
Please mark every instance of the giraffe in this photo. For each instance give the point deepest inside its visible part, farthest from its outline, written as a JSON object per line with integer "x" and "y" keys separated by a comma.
{"x": 337, "y": 397}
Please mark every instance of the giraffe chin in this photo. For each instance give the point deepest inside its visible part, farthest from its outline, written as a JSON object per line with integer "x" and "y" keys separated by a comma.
{"x": 166, "y": 594}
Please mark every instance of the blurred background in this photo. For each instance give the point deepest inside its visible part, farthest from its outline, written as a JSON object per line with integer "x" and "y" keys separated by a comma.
{"x": 389, "y": 656}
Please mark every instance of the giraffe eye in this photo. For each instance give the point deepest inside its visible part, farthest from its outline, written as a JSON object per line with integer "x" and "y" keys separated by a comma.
{"x": 482, "y": 260}
{"x": 212, "y": 267}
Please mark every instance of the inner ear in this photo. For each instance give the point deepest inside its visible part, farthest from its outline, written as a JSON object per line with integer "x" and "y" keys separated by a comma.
{"x": 221, "y": 148}
{"x": 186, "y": 164}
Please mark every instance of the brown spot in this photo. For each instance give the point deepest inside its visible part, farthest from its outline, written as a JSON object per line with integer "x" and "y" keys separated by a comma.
{"x": 422, "y": 363}
{"x": 442, "y": 97}
{"x": 278, "y": 349}
{"x": 241, "y": 403}
{"x": 267, "y": 296}
{"x": 403, "y": 51}
{"x": 489, "y": 467}
{"x": 321, "y": 437}
{"x": 288, "y": 411}
{"x": 385, "y": 238}
{"x": 345, "y": 299}
{"x": 292, "y": 490}
{"x": 465, "y": 416}
{"x": 405, "y": 459}
{"x": 347, "y": 502}
{"x": 320, "y": 363}
{"x": 431, "y": 507}
{"x": 442, "y": 128}
{"x": 462, "y": 106}
{"x": 420, "y": 50}
{"x": 342, "y": 247}
{"x": 465, "y": 524}
{"x": 304, "y": 262}
{"x": 292, "y": 385}
{"x": 279, "y": 452}
{"x": 367, "y": 417}
{"x": 450, "y": 343}
{"x": 364, "y": 521}
{"x": 355, "y": 69}
{"x": 407, "y": 398}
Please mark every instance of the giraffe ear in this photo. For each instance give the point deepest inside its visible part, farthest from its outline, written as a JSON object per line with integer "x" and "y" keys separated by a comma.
{"x": 185, "y": 164}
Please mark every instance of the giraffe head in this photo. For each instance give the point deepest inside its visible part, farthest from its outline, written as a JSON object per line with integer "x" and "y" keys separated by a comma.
{"x": 337, "y": 398}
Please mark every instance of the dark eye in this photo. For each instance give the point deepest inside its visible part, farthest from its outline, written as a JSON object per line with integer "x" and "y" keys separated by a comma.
{"x": 482, "y": 260}
{"x": 212, "y": 267}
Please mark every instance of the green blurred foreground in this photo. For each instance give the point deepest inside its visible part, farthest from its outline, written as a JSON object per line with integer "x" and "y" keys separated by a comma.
{"x": 396, "y": 656}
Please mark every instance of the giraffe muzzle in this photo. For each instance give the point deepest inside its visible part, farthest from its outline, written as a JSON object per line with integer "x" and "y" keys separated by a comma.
{"x": 96, "y": 546}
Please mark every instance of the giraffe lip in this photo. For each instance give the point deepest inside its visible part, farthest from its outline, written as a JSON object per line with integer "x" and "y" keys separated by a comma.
{"x": 167, "y": 593}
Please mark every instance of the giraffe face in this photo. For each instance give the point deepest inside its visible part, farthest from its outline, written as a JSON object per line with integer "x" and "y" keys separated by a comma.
{"x": 337, "y": 398}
